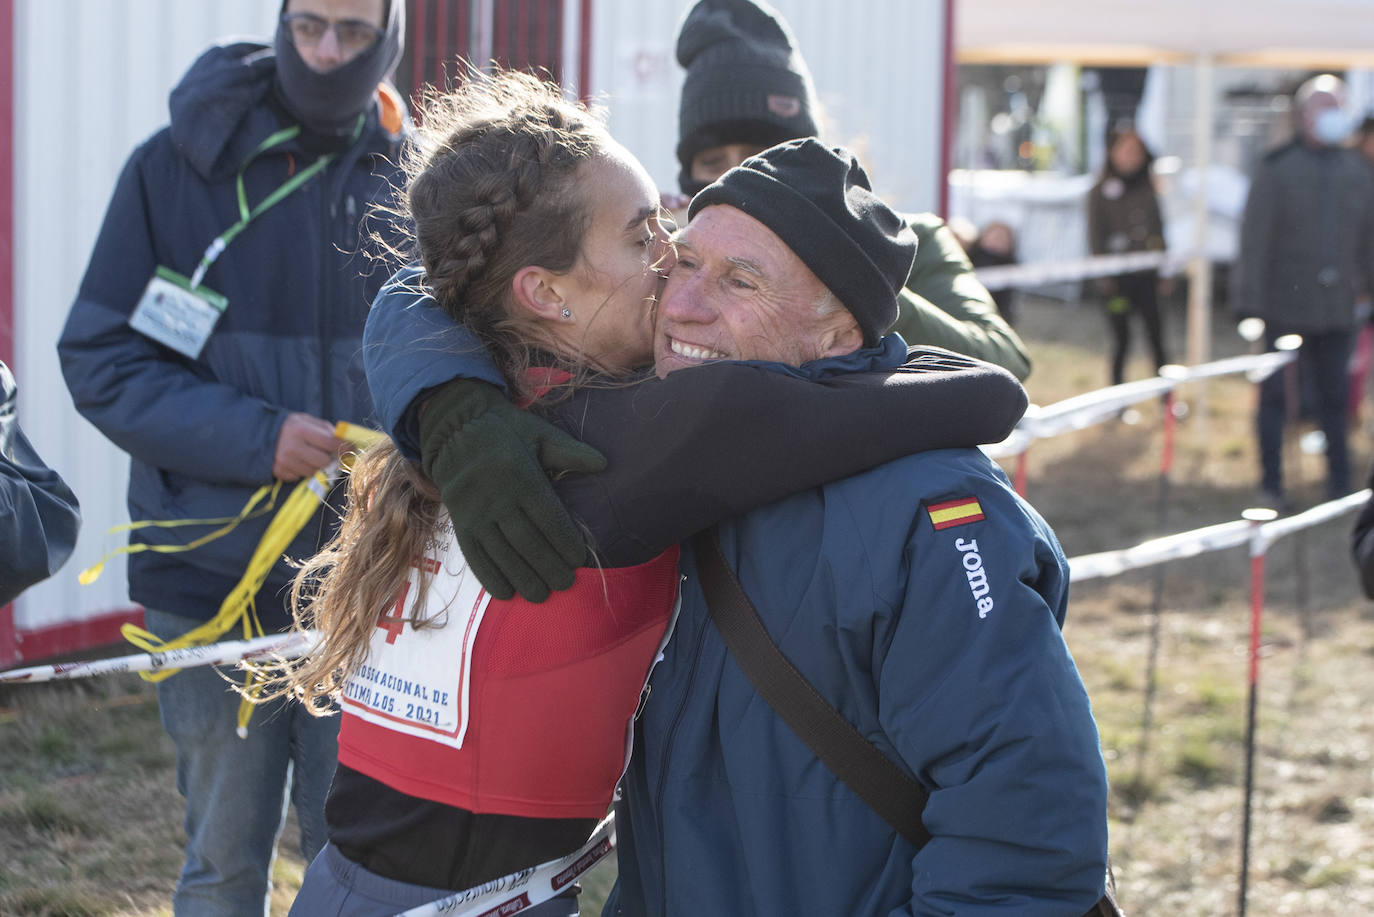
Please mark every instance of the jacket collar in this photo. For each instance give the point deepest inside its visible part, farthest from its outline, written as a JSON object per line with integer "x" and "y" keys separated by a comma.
{"x": 889, "y": 353}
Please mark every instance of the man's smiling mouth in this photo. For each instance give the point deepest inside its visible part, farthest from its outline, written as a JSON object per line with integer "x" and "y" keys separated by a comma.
{"x": 692, "y": 352}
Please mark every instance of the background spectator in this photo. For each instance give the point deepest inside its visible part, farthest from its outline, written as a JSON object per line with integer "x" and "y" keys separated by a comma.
{"x": 1123, "y": 217}
{"x": 1306, "y": 255}
{"x": 995, "y": 246}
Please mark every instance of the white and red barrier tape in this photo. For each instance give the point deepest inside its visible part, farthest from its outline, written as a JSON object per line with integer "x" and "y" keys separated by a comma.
{"x": 1084, "y": 567}
{"x": 1003, "y": 277}
{"x": 1103, "y": 404}
{"x": 227, "y": 652}
{"x": 1204, "y": 540}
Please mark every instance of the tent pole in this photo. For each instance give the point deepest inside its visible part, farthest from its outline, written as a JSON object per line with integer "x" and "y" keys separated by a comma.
{"x": 1199, "y": 267}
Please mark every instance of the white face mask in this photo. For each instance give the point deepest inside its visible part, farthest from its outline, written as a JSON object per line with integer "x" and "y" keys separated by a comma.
{"x": 1330, "y": 126}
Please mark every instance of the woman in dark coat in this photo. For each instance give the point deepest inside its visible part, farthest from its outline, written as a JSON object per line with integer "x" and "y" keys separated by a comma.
{"x": 1124, "y": 216}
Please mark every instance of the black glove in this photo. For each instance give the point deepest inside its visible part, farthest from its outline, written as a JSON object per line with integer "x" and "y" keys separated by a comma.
{"x": 489, "y": 460}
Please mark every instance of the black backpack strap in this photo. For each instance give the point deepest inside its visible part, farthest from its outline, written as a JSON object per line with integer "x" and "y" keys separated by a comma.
{"x": 857, "y": 762}
{"x": 872, "y": 775}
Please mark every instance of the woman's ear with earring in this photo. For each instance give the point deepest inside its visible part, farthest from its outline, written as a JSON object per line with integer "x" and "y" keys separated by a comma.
{"x": 539, "y": 292}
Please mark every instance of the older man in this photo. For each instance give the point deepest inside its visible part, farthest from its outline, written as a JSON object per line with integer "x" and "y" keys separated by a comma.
{"x": 1306, "y": 256}
{"x": 215, "y": 339}
{"x": 922, "y": 599}
{"x": 864, "y": 585}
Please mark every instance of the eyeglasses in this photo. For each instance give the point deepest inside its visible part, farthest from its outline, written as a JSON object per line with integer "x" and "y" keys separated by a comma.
{"x": 353, "y": 35}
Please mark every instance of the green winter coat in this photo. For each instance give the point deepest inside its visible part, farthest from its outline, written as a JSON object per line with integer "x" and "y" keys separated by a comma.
{"x": 945, "y": 305}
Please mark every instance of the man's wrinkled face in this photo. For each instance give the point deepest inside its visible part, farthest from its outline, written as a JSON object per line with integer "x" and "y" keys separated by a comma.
{"x": 737, "y": 292}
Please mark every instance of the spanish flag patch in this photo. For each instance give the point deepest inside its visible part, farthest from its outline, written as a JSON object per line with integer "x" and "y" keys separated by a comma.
{"x": 955, "y": 512}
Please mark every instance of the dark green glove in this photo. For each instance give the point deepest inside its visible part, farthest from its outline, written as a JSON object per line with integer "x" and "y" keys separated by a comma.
{"x": 489, "y": 460}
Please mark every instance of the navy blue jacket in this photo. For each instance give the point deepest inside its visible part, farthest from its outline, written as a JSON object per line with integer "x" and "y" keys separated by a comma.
{"x": 725, "y": 810}
{"x": 202, "y": 433}
{"x": 943, "y": 647}
{"x": 39, "y": 516}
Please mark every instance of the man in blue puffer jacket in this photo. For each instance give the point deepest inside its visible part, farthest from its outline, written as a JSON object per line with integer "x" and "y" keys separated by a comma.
{"x": 922, "y": 599}
{"x": 214, "y": 400}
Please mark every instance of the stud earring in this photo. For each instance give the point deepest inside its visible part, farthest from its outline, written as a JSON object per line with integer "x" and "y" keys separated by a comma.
{"x": 567, "y": 313}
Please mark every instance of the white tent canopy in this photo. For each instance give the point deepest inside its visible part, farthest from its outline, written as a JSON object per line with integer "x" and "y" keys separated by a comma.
{"x": 1298, "y": 34}
{"x": 1264, "y": 33}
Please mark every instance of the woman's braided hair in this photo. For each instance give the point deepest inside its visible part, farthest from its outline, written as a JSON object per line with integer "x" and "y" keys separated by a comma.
{"x": 492, "y": 189}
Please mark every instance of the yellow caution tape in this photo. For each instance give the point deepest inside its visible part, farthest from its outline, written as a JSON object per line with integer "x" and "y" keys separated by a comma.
{"x": 362, "y": 437}
{"x": 238, "y": 607}
{"x": 227, "y": 524}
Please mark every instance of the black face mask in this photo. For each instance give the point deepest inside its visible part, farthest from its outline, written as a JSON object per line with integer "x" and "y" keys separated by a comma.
{"x": 329, "y": 103}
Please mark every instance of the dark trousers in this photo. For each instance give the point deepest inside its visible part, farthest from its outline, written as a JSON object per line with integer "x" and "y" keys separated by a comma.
{"x": 1136, "y": 294}
{"x": 1322, "y": 363}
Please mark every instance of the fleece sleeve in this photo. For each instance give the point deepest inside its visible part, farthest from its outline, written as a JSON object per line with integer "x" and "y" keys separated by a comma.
{"x": 980, "y": 697}
{"x": 152, "y": 402}
{"x": 712, "y": 442}
{"x": 410, "y": 346}
{"x": 39, "y": 516}
{"x": 945, "y": 305}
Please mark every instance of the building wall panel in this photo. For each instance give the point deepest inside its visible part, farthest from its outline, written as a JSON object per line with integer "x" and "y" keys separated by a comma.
{"x": 91, "y": 81}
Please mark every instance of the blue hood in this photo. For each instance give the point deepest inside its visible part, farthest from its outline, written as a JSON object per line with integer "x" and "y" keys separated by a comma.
{"x": 214, "y": 100}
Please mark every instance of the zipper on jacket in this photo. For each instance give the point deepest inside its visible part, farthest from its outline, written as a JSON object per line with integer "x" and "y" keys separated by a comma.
{"x": 330, "y": 201}
{"x": 667, "y": 756}
{"x": 333, "y": 187}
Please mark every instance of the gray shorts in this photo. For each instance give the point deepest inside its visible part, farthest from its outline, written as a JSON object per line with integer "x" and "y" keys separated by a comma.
{"x": 335, "y": 886}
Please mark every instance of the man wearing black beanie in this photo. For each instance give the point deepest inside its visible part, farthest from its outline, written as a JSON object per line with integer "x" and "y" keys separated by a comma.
{"x": 746, "y": 88}
{"x": 216, "y": 339}
{"x": 922, "y": 600}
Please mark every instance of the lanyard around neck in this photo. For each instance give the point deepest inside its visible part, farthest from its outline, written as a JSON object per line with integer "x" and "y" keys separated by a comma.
{"x": 247, "y": 214}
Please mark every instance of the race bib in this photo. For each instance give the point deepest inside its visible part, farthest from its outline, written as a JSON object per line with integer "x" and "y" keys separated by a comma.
{"x": 418, "y": 681}
{"x": 175, "y": 315}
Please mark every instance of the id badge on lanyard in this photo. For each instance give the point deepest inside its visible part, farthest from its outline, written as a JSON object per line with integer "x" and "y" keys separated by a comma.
{"x": 177, "y": 315}
{"x": 177, "y": 311}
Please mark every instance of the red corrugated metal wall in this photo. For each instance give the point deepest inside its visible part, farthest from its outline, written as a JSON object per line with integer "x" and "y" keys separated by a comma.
{"x": 517, "y": 34}
{"x": 7, "y": 643}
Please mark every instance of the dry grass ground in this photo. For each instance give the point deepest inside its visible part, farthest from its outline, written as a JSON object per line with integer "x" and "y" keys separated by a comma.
{"x": 89, "y": 815}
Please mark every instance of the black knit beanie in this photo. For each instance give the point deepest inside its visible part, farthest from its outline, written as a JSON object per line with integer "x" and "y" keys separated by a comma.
{"x": 745, "y": 82}
{"x": 817, "y": 199}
